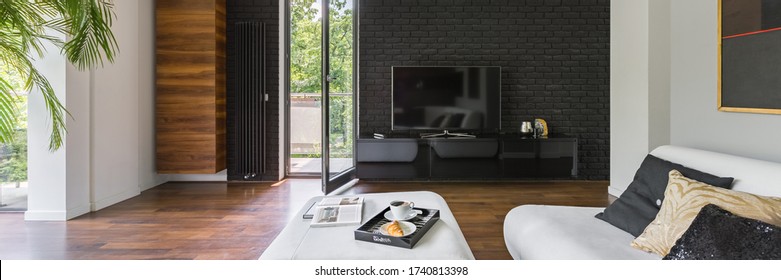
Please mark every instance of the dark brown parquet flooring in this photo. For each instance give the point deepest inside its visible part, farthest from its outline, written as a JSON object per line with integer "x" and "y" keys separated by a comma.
{"x": 239, "y": 220}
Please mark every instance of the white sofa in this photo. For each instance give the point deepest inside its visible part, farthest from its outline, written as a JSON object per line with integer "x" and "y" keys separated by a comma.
{"x": 566, "y": 232}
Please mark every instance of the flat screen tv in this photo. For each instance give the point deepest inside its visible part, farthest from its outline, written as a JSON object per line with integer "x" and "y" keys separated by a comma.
{"x": 460, "y": 98}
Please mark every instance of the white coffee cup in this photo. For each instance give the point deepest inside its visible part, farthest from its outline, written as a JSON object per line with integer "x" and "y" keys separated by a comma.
{"x": 401, "y": 209}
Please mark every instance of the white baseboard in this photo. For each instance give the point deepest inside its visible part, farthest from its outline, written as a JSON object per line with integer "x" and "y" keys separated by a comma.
{"x": 222, "y": 176}
{"x": 614, "y": 191}
{"x": 73, "y": 212}
{"x": 114, "y": 199}
{"x": 32, "y": 215}
{"x": 344, "y": 187}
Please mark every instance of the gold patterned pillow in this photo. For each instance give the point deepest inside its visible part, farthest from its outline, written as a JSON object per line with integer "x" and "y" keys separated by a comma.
{"x": 684, "y": 198}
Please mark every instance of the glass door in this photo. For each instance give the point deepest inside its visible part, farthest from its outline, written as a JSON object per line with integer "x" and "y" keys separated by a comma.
{"x": 338, "y": 93}
{"x": 304, "y": 88}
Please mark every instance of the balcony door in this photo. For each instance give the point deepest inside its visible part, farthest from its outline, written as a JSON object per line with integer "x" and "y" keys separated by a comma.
{"x": 321, "y": 107}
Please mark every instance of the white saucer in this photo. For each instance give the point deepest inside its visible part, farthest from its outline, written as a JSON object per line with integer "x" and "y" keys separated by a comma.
{"x": 412, "y": 214}
{"x": 407, "y": 227}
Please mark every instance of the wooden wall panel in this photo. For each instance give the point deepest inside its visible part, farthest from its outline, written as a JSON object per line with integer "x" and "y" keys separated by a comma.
{"x": 190, "y": 86}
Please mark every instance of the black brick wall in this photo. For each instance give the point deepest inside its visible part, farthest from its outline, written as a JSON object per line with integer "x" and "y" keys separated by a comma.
{"x": 554, "y": 56}
{"x": 266, "y": 11}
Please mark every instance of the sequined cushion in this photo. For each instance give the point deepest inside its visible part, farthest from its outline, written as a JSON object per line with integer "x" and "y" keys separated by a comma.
{"x": 717, "y": 234}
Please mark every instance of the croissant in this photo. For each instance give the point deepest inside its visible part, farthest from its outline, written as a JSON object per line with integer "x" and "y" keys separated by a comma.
{"x": 394, "y": 229}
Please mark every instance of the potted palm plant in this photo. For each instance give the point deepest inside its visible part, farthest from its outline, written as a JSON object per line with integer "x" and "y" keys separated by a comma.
{"x": 25, "y": 25}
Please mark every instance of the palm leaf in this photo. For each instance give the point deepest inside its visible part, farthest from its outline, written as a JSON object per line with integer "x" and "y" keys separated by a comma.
{"x": 89, "y": 23}
{"x": 8, "y": 112}
{"x": 56, "y": 110}
{"x": 23, "y": 23}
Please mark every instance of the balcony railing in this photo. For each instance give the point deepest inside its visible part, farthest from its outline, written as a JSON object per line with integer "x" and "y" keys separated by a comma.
{"x": 306, "y": 132}
{"x": 306, "y": 119}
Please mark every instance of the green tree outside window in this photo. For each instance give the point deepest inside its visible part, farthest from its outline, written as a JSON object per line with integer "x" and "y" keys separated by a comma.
{"x": 306, "y": 64}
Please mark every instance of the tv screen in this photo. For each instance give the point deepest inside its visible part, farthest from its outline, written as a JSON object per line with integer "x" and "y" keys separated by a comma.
{"x": 447, "y": 98}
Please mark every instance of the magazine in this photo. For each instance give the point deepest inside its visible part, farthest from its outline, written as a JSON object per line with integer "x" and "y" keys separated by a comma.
{"x": 338, "y": 211}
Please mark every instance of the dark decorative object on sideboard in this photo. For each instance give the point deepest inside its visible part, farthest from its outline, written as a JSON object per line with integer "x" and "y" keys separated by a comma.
{"x": 527, "y": 129}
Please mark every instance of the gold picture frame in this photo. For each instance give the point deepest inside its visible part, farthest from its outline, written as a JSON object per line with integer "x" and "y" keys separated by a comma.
{"x": 721, "y": 106}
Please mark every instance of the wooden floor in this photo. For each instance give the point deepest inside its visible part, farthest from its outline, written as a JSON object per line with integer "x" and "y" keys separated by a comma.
{"x": 238, "y": 221}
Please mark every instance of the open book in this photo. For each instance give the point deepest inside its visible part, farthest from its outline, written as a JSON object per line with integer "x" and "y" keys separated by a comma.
{"x": 337, "y": 211}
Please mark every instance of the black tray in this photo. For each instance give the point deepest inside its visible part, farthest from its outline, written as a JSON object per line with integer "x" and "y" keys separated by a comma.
{"x": 370, "y": 231}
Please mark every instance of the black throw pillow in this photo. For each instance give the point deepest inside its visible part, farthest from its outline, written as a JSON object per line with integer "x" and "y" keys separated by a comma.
{"x": 640, "y": 203}
{"x": 717, "y": 234}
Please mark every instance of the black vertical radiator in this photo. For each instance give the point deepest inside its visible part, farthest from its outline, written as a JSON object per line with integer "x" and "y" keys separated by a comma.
{"x": 250, "y": 101}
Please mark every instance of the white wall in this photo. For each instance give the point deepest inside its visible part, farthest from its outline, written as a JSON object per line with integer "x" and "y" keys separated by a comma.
{"x": 696, "y": 122}
{"x": 147, "y": 171}
{"x": 682, "y": 72}
{"x": 46, "y": 170}
{"x": 639, "y": 78}
{"x": 59, "y": 182}
{"x": 659, "y": 73}
{"x": 115, "y": 91}
{"x": 108, "y": 154}
{"x": 78, "y": 142}
{"x": 628, "y": 90}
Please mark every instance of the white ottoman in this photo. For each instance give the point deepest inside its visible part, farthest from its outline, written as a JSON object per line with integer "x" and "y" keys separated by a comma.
{"x": 297, "y": 241}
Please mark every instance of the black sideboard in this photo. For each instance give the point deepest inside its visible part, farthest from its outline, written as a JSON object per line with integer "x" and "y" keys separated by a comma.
{"x": 490, "y": 158}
